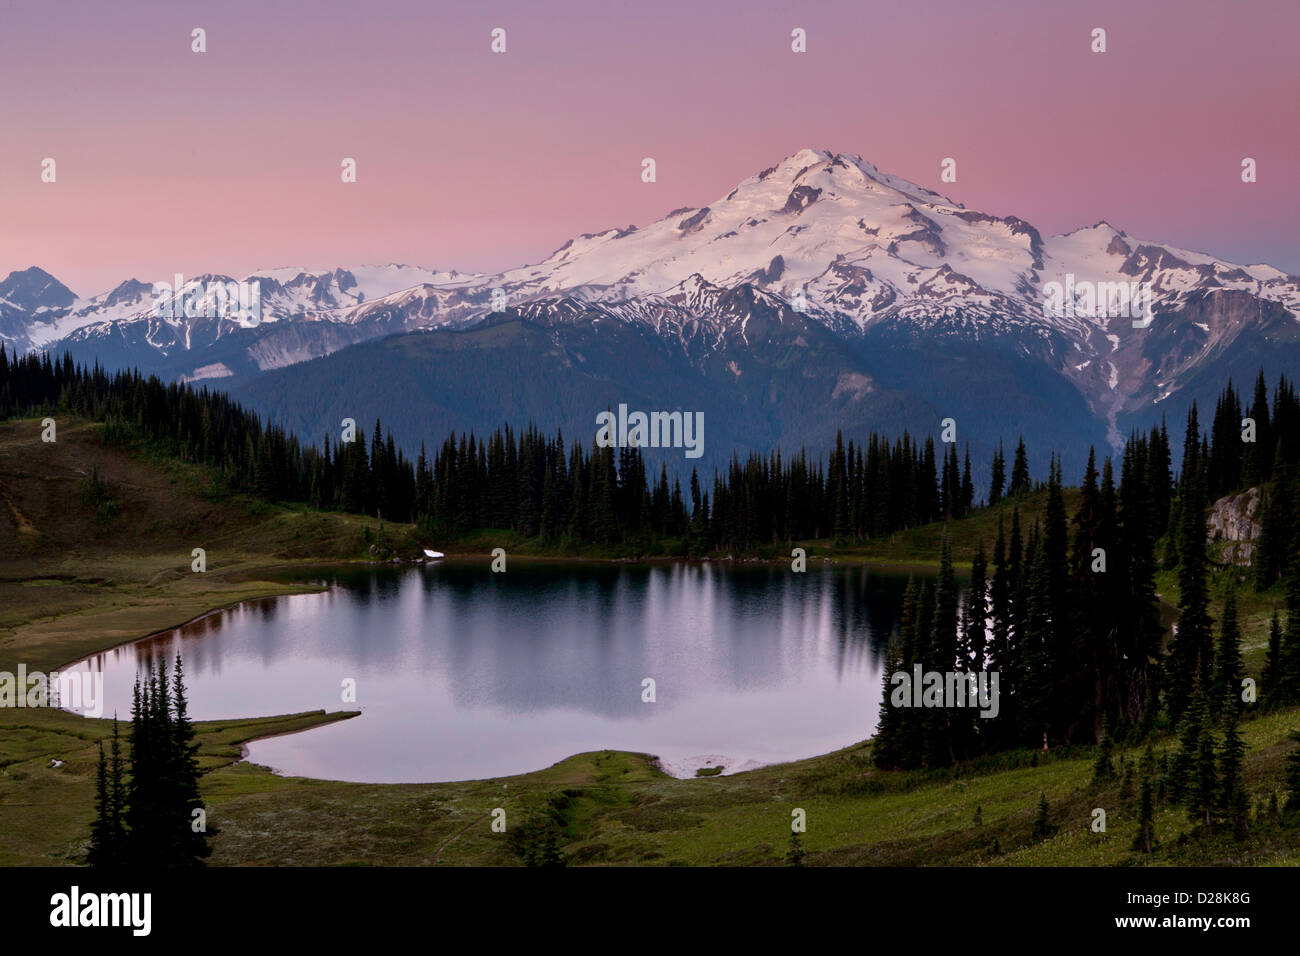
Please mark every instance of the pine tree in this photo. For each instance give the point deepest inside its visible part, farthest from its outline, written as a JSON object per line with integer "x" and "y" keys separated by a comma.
{"x": 1192, "y": 729}
{"x": 190, "y": 846}
{"x": 794, "y": 856}
{"x": 975, "y": 636}
{"x": 141, "y": 811}
{"x": 1020, "y": 481}
{"x": 999, "y": 476}
{"x": 1145, "y": 840}
{"x": 1191, "y": 655}
{"x": 995, "y": 731}
{"x": 942, "y": 657}
{"x": 1034, "y": 683}
{"x": 1271, "y": 679}
{"x": 1043, "y": 827}
{"x": 104, "y": 851}
{"x": 1232, "y": 801}
{"x": 886, "y": 748}
{"x": 1228, "y": 663}
{"x": 911, "y": 728}
{"x": 157, "y": 805}
{"x": 1257, "y": 461}
{"x": 1103, "y": 769}
{"x": 967, "y": 485}
{"x": 1064, "y": 668}
{"x": 1203, "y": 795}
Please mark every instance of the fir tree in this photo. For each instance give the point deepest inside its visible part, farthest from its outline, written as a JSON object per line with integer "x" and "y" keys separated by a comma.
{"x": 1020, "y": 482}
{"x": 794, "y": 856}
{"x": 190, "y": 846}
{"x": 1191, "y": 655}
{"x": 886, "y": 748}
{"x": 1203, "y": 794}
{"x": 158, "y": 804}
{"x": 1232, "y": 801}
{"x": 107, "y": 847}
{"x": 998, "y": 478}
{"x": 1043, "y": 827}
{"x": 942, "y": 657}
{"x": 1228, "y": 663}
{"x": 1103, "y": 769}
{"x": 1183, "y": 771}
{"x": 1145, "y": 840}
{"x": 1271, "y": 679}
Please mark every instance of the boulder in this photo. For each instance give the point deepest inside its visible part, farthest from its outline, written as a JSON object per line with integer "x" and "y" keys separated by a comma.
{"x": 1234, "y": 520}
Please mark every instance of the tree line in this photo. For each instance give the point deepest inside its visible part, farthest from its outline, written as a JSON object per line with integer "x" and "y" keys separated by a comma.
{"x": 521, "y": 480}
{"x": 584, "y": 496}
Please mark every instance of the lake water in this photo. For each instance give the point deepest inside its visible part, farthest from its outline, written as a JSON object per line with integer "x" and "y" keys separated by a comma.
{"x": 465, "y": 674}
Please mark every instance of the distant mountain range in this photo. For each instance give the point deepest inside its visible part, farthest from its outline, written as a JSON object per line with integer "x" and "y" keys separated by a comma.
{"x": 819, "y": 294}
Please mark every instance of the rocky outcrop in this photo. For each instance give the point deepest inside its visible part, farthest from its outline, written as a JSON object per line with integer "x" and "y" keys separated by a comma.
{"x": 1234, "y": 521}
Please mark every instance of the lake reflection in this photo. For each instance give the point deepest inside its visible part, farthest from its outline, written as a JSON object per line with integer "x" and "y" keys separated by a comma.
{"x": 462, "y": 674}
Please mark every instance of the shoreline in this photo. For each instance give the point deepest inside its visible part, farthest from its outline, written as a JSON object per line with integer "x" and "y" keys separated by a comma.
{"x": 683, "y": 769}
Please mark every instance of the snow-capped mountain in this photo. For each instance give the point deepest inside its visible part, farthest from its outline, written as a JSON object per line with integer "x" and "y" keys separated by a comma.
{"x": 820, "y": 239}
{"x": 123, "y": 327}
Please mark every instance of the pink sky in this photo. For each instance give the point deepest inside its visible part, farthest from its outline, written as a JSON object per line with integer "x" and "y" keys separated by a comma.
{"x": 228, "y": 161}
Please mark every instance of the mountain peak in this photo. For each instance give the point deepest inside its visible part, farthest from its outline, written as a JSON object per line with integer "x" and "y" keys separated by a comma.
{"x": 848, "y": 171}
{"x": 34, "y": 289}
{"x": 807, "y": 157}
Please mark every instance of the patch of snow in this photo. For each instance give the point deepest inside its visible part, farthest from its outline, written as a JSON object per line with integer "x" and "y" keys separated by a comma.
{"x": 684, "y": 769}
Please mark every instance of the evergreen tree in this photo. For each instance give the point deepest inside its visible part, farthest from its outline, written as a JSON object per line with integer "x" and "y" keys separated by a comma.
{"x": 999, "y": 657}
{"x": 942, "y": 657}
{"x": 975, "y": 633}
{"x": 1257, "y": 461}
{"x": 107, "y": 834}
{"x": 910, "y": 726}
{"x": 1103, "y": 768}
{"x": 1192, "y": 729}
{"x": 967, "y": 485}
{"x": 117, "y": 794}
{"x": 1232, "y": 801}
{"x": 190, "y": 846}
{"x": 1230, "y": 667}
{"x": 1043, "y": 827}
{"x": 999, "y": 476}
{"x": 794, "y": 856}
{"x": 1203, "y": 794}
{"x": 157, "y": 804}
{"x": 1020, "y": 481}
{"x": 1191, "y": 653}
{"x": 886, "y": 748}
{"x": 1145, "y": 840}
{"x": 1271, "y": 679}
